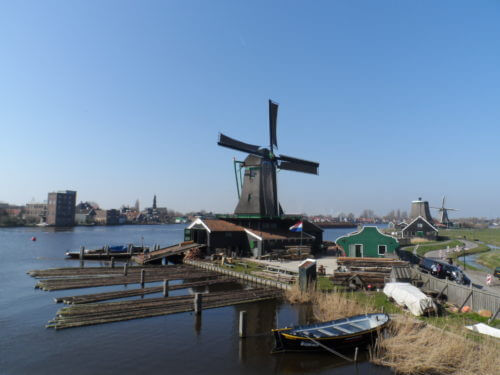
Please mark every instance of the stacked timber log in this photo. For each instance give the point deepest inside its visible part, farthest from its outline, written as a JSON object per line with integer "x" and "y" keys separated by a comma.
{"x": 297, "y": 252}
{"x": 99, "y": 313}
{"x": 73, "y": 278}
{"x": 361, "y": 272}
{"x": 97, "y": 297}
{"x": 194, "y": 254}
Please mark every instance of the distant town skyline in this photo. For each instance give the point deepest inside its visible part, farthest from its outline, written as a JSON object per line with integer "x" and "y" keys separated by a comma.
{"x": 120, "y": 101}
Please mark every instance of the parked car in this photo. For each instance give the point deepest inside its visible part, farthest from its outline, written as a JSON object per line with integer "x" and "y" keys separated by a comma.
{"x": 497, "y": 273}
{"x": 444, "y": 270}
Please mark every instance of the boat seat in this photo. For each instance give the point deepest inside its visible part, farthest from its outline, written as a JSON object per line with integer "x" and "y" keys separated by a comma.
{"x": 327, "y": 333}
{"x": 343, "y": 329}
{"x": 357, "y": 326}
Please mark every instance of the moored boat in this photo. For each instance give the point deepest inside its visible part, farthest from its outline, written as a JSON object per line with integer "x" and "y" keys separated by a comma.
{"x": 335, "y": 334}
{"x": 107, "y": 251}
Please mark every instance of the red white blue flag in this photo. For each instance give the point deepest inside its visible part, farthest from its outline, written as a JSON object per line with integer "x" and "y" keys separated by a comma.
{"x": 296, "y": 227}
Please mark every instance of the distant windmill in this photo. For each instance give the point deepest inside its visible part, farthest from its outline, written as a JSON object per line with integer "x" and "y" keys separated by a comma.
{"x": 259, "y": 194}
{"x": 443, "y": 212}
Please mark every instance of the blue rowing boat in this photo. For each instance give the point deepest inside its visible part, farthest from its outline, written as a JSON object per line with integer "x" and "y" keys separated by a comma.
{"x": 336, "y": 334}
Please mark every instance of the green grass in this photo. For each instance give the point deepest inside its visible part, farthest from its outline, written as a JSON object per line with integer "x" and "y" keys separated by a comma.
{"x": 467, "y": 266}
{"x": 431, "y": 246}
{"x": 491, "y": 259}
{"x": 325, "y": 284}
{"x": 458, "y": 320}
{"x": 240, "y": 267}
{"x": 488, "y": 236}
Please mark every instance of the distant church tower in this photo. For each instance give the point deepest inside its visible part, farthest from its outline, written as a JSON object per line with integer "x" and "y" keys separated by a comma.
{"x": 137, "y": 205}
{"x": 154, "y": 202}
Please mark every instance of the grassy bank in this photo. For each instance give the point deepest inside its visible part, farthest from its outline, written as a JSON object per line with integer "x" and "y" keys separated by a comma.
{"x": 413, "y": 348}
{"x": 431, "y": 345}
{"x": 491, "y": 259}
{"x": 489, "y": 236}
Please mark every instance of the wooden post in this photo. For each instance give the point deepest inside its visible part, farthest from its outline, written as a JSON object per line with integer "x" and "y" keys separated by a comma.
{"x": 112, "y": 262}
{"x": 494, "y": 316}
{"x": 165, "y": 288}
{"x": 356, "y": 354}
{"x": 442, "y": 290}
{"x": 125, "y": 269}
{"x": 198, "y": 306}
{"x": 82, "y": 251}
{"x": 465, "y": 301}
{"x": 143, "y": 271}
{"x": 129, "y": 249}
{"x": 243, "y": 324}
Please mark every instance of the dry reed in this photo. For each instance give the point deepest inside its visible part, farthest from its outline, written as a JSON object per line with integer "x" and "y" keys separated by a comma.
{"x": 328, "y": 306}
{"x": 411, "y": 347}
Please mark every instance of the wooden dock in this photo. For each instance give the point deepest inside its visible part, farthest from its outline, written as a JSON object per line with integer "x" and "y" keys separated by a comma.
{"x": 157, "y": 255}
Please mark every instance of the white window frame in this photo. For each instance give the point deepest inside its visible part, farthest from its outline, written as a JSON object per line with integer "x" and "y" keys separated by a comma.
{"x": 362, "y": 249}
{"x": 378, "y": 249}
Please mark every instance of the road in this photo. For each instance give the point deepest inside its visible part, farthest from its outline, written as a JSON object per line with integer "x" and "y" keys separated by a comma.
{"x": 477, "y": 277}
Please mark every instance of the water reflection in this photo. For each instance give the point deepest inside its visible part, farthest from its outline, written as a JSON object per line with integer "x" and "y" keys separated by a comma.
{"x": 197, "y": 323}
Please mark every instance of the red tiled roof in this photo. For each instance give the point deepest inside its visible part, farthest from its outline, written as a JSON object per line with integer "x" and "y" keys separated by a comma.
{"x": 216, "y": 225}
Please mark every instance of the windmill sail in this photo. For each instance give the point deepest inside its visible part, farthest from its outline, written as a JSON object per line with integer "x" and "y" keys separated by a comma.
{"x": 234, "y": 144}
{"x": 299, "y": 165}
{"x": 273, "y": 116}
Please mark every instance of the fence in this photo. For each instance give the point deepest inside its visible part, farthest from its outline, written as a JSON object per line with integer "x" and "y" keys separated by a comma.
{"x": 459, "y": 294}
{"x": 243, "y": 276}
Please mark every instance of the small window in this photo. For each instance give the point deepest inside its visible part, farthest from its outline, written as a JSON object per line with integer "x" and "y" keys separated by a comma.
{"x": 382, "y": 249}
{"x": 420, "y": 225}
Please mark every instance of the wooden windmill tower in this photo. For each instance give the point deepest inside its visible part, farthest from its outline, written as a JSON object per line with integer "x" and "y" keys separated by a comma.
{"x": 443, "y": 212}
{"x": 259, "y": 194}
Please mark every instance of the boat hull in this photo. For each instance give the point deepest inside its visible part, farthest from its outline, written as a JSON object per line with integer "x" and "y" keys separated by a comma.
{"x": 287, "y": 340}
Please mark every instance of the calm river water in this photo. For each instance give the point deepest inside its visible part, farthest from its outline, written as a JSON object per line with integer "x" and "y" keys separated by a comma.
{"x": 174, "y": 344}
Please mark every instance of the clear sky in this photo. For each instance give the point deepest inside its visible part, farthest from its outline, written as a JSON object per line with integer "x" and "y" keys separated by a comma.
{"x": 122, "y": 100}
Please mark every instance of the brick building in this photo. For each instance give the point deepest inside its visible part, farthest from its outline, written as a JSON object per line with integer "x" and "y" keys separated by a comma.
{"x": 61, "y": 208}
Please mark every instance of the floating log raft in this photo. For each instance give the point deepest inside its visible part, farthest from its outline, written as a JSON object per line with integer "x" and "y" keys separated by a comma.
{"x": 73, "y": 278}
{"x": 90, "y": 282}
{"x": 99, "y": 313}
{"x": 91, "y": 298}
{"x": 93, "y": 271}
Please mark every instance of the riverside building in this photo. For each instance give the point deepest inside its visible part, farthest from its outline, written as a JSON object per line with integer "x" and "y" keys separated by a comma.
{"x": 61, "y": 208}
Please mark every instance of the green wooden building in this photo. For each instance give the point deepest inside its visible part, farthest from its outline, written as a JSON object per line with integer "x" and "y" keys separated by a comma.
{"x": 368, "y": 242}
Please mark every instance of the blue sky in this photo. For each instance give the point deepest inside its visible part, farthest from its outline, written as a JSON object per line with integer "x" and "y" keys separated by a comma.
{"x": 121, "y": 100}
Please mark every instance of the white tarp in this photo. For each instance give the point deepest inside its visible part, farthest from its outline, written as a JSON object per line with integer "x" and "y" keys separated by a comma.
{"x": 410, "y": 296}
{"x": 485, "y": 329}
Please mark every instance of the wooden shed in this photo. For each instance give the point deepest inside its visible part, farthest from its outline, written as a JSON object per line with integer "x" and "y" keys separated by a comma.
{"x": 420, "y": 227}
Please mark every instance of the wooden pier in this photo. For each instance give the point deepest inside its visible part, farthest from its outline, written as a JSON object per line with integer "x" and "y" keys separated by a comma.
{"x": 157, "y": 255}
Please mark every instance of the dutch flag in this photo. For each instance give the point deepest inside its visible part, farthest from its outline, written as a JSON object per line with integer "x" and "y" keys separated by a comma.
{"x": 296, "y": 227}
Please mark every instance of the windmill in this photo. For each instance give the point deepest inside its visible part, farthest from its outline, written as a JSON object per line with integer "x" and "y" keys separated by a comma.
{"x": 259, "y": 194}
{"x": 443, "y": 212}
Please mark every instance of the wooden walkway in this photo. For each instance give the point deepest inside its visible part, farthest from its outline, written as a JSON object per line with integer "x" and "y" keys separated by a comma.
{"x": 158, "y": 255}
